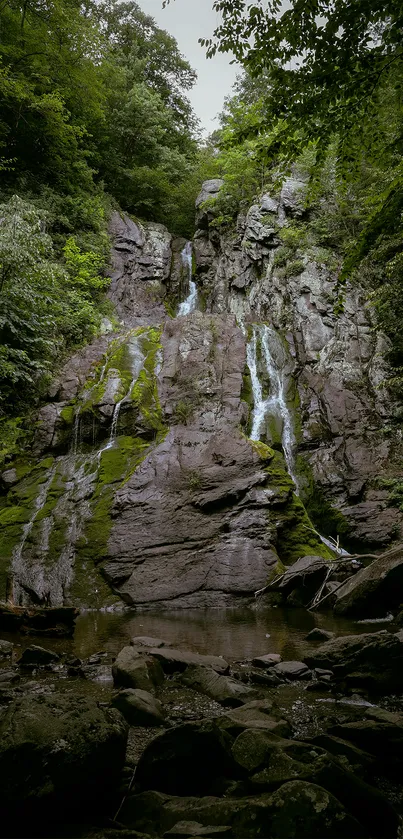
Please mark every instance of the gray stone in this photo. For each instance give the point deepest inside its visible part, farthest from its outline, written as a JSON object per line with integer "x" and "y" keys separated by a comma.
{"x": 292, "y": 670}
{"x": 139, "y": 707}
{"x": 148, "y": 641}
{"x": 131, "y": 670}
{"x": 9, "y": 477}
{"x": 6, "y": 648}
{"x": 258, "y": 714}
{"x": 174, "y": 661}
{"x": 267, "y": 661}
{"x": 372, "y": 660}
{"x": 228, "y": 692}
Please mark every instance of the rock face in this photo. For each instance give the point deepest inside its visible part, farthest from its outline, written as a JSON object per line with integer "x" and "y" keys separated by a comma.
{"x": 144, "y": 484}
{"x": 271, "y": 272}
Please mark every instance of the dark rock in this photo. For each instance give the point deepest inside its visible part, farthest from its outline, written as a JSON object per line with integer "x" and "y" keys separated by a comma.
{"x": 379, "y": 733}
{"x": 139, "y": 707}
{"x": 292, "y": 670}
{"x": 72, "y": 752}
{"x": 190, "y": 828}
{"x": 131, "y": 670}
{"x": 9, "y": 676}
{"x": 37, "y": 657}
{"x": 6, "y": 648}
{"x": 374, "y": 590}
{"x": 336, "y": 746}
{"x": 304, "y": 810}
{"x": 264, "y": 677}
{"x": 268, "y": 660}
{"x": 187, "y": 759}
{"x": 371, "y": 660}
{"x": 318, "y": 634}
{"x": 52, "y": 622}
{"x": 228, "y": 692}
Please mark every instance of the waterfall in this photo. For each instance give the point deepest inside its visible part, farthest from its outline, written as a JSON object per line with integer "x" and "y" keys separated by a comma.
{"x": 273, "y": 354}
{"x": 136, "y": 363}
{"x": 188, "y": 305}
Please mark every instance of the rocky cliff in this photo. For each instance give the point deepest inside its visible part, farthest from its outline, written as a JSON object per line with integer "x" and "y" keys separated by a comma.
{"x": 144, "y": 482}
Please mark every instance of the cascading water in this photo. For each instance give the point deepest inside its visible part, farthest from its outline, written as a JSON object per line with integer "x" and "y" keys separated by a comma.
{"x": 188, "y": 305}
{"x": 275, "y": 404}
{"x": 136, "y": 363}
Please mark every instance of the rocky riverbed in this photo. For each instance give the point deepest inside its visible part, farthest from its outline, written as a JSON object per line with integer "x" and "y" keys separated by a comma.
{"x": 158, "y": 741}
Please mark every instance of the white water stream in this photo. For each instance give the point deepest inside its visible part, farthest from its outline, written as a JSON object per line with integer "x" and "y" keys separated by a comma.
{"x": 273, "y": 354}
{"x": 188, "y": 305}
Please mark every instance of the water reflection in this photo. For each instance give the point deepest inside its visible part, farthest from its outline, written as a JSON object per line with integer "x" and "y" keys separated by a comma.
{"x": 234, "y": 634}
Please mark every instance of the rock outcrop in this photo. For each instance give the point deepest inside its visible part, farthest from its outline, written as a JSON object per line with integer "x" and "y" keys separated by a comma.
{"x": 144, "y": 484}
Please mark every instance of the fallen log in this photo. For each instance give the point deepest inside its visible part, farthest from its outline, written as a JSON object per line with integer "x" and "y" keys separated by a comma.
{"x": 50, "y": 621}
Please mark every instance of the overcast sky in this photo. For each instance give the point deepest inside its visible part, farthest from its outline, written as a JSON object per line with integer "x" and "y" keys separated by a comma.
{"x": 188, "y": 20}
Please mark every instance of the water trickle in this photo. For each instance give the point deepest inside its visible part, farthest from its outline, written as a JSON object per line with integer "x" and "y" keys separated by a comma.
{"x": 273, "y": 355}
{"x": 136, "y": 363}
{"x": 188, "y": 305}
{"x": 40, "y": 502}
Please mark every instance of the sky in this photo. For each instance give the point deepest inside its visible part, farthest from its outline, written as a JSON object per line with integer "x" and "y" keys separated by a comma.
{"x": 188, "y": 20}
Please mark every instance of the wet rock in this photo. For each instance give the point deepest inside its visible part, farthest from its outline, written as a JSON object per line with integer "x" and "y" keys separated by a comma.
{"x": 371, "y": 660}
{"x": 187, "y": 760}
{"x": 131, "y": 670}
{"x": 176, "y": 661}
{"x": 264, "y": 677}
{"x": 6, "y": 648}
{"x": 139, "y": 707}
{"x": 267, "y": 661}
{"x": 318, "y": 634}
{"x": 73, "y": 755}
{"x": 37, "y": 657}
{"x": 374, "y": 590}
{"x": 228, "y": 692}
{"x": 292, "y": 670}
{"x": 8, "y": 677}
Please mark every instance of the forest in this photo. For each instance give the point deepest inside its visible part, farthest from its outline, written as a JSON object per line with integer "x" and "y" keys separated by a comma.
{"x": 95, "y": 116}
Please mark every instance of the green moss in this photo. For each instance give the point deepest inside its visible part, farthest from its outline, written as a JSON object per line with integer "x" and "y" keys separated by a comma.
{"x": 288, "y": 520}
{"x": 265, "y": 453}
{"x": 67, "y": 414}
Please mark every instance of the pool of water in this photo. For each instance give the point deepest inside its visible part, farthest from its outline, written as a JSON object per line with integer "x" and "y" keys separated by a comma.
{"x": 235, "y": 634}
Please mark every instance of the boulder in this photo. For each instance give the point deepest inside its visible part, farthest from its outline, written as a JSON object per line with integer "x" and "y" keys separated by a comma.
{"x": 148, "y": 641}
{"x": 379, "y": 733}
{"x": 187, "y": 759}
{"x": 139, "y": 707}
{"x": 372, "y": 660}
{"x": 266, "y": 661}
{"x": 176, "y": 661}
{"x": 292, "y": 670}
{"x": 131, "y": 670}
{"x": 60, "y": 756}
{"x": 374, "y": 590}
{"x": 6, "y": 648}
{"x": 258, "y": 714}
{"x": 307, "y": 811}
{"x": 37, "y": 657}
{"x": 228, "y": 692}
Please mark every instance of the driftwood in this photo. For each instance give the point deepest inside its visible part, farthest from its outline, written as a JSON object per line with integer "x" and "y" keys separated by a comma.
{"x": 57, "y": 621}
{"x": 334, "y": 566}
